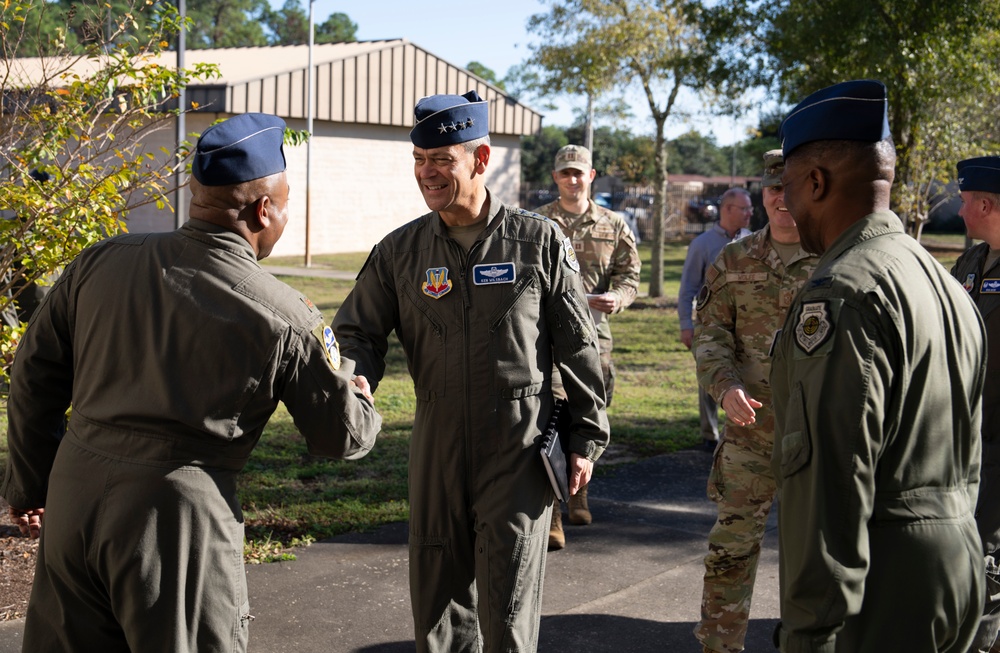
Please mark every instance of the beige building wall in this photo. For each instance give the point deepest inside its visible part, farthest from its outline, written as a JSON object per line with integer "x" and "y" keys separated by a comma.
{"x": 363, "y": 185}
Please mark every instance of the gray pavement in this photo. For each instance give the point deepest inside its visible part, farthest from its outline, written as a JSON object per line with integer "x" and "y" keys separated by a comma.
{"x": 628, "y": 583}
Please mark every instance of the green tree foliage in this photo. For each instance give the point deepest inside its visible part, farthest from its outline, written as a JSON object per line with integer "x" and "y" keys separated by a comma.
{"x": 538, "y": 153}
{"x": 593, "y": 47}
{"x": 226, "y": 23}
{"x": 77, "y": 119}
{"x": 699, "y": 155}
{"x": 290, "y": 26}
{"x": 485, "y": 72}
{"x": 939, "y": 60}
{"x": 337, "y": 28}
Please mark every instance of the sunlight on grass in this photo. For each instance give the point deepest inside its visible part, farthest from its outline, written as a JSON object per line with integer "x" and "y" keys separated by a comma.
{"x": 291, "y": 499}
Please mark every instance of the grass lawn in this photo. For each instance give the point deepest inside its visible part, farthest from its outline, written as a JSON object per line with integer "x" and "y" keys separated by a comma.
{"x": 291, "y": 498}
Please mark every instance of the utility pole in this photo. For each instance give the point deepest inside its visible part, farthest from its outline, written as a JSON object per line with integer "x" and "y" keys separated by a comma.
{"x": 309, "y": 128}
{"x": 180, "y": 210}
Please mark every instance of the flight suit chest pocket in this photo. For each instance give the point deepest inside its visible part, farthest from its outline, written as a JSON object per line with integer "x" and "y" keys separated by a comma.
{"x": 796, "y": 446}
{"x": 514, "y": 333}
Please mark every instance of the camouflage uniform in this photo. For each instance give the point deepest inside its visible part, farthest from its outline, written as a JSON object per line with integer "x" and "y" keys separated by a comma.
{"x": 609, "y": 262}
{"x": 747, "y": 292}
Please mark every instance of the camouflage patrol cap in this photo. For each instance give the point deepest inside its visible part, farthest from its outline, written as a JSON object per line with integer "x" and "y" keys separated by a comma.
{"x": 573, "y": 156}
{"x": 774, "y": 165}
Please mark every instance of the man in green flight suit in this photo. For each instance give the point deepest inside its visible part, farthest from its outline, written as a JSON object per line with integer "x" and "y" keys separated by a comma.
{"x": 741, "y": 307}
{"x": 484, "y": 299}
{"x": 609, "y": 267}
{"x": 877, "y": 382}
{"x": 978, "y": 270}
{"x": 174, "y": 349}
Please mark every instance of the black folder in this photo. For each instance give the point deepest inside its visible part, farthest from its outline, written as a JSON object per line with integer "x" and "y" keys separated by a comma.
{"x": 553, "y": 449}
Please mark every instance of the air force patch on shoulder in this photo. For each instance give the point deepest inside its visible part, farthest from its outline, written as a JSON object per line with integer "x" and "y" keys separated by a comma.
{"x": 571, "y": 260}
{"x": 814, "y": 327}
{"x": 326, "y": 338}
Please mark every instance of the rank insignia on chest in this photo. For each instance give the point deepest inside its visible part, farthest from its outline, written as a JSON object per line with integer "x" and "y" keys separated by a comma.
{"x": 571, "y": 260}
{"x": 438, "y": 284}
{"x": 990, "y": 287}
{"x": 490, "y": 273}
{"x": 970, "y": 282}
{"x": 814, "y": 326}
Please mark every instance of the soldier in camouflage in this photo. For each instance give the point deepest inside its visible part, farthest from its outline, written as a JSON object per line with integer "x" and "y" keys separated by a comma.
{"x": 609, "y": 268}
{"x": 747, "y": 292}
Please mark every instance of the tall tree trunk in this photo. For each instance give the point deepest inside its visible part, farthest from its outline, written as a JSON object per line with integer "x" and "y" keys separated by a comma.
{"x": 659, "y": 207}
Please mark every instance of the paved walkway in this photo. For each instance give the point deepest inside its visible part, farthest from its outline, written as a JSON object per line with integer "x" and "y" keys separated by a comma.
{"x": 628, "y": 583}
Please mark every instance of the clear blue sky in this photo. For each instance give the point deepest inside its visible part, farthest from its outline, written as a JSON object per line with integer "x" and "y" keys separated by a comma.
{"x": 494, "y": 34}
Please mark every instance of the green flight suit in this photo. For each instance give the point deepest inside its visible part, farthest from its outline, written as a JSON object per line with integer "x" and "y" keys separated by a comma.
{"x": 747, "y": 292}
{"x": 983, "y": 284}
{"x": 877, "y": 379}
{"x": 480, "y": 330}
{"x": 174, "y": 349}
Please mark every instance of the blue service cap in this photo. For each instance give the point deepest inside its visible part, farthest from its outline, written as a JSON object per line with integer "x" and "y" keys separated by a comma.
{"x": 850, "y": 111}
{"x": 242, "y": 148}
{"x": 449, "y": 119}
{"x": 980, "y": 174}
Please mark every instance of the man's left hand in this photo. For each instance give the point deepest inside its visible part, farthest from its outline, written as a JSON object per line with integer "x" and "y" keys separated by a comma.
{"x": 606, "y": 303}
{"x": 580, "y": 471}
{"x": 29, "y": 522}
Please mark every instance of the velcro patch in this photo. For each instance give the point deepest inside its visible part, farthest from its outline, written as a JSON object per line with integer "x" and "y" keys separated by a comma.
{"x": 490, "y": 273}
{"x": 990, "y": 287}
{"x": 571, "y": 260}
{"x": 326, "y": 338}
{"x": 703, "y": 296}
{"x": 814, "y": 326}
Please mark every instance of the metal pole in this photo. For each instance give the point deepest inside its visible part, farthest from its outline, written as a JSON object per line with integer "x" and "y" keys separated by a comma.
{"x": 180, "y": 210}
{"x": 309, "y": 128}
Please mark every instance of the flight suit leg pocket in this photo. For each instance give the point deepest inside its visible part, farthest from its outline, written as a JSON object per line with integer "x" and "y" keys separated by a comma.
{"x": 796, "y": 445}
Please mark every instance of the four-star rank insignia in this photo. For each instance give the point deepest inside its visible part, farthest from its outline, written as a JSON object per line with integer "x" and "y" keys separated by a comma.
{"x": 438, "y": 284}
{"x": 814, "y": 326}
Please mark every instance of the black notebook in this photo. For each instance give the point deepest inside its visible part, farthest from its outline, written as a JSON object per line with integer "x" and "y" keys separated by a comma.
{"x": 553, "y": 449}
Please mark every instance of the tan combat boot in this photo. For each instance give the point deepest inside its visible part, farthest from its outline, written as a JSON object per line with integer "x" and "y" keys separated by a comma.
{"x": 579, "y": 513}
{"x": 557, "y": 539}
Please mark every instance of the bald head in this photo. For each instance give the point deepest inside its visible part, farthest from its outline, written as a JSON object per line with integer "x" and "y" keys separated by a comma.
{"x": 256, "y": 209}
{"x": 829, "y": 185}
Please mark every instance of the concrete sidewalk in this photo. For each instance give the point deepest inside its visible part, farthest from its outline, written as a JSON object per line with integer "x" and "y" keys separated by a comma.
{"x": 628, "y": 583}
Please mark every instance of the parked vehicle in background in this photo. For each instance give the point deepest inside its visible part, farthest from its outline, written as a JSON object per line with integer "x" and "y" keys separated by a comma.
{"x": 702, "y": 210}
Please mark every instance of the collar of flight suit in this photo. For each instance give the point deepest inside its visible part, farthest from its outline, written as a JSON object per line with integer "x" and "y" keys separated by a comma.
{"x": 492, "y": 224}
{"x": 219, "y": 237}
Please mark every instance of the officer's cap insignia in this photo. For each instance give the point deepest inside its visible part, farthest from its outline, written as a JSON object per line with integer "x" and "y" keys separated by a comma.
{"x": 571, "y": 259}
{"x": 438, "y": 284}
{"x": 814, "y": 326}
